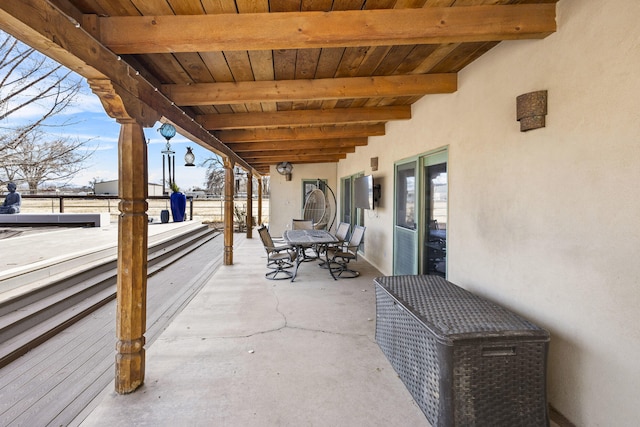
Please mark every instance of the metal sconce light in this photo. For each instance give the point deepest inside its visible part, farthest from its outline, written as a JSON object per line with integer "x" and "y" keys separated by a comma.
{"x": 531, "y": 109}
{"x": 189, "y": 158}
{"x": 374, "y": 163}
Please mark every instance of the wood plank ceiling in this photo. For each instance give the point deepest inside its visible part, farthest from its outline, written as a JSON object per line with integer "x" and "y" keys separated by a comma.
{"x": 304, "y": 81}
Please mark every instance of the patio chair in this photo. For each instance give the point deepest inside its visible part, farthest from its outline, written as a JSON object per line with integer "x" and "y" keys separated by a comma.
{"x": 342, "y": 231}
{"x": 276, "y": 239}
{"x": 305, "y": 224}
{"x": 279, "y": 258}
{"x": 341, "y": 255}
{"x": 301, "y": 224}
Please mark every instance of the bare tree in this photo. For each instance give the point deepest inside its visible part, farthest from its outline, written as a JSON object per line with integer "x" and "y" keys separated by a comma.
{"x": 214, "y": 177}
{"x": 266, "y": 185}
{"x": 36, "y": 161}
{"x": 33, "y": 90}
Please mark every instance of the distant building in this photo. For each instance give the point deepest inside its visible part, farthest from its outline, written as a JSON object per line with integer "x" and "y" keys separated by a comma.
{"x": 110, "y": 188}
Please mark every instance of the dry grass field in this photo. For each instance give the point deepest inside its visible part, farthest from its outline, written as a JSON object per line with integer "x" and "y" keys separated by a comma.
{"x": 208, "y": 210}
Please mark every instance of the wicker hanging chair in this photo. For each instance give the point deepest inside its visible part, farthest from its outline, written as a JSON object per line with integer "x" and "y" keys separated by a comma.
{"x": 316, "y": 208}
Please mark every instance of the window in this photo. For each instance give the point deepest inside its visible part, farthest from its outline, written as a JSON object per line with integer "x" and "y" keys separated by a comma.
{"x": 406, "y": 196}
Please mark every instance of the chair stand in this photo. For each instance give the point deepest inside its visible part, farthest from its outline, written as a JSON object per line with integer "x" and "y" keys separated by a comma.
{"x": 273, "y": 275}
{"x": 342, "y": 269}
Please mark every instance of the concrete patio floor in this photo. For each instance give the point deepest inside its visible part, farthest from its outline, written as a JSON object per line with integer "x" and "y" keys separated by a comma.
{"x": 248, "y": 351}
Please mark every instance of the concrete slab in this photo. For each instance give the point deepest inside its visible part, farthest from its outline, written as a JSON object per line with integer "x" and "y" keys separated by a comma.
{"x": 252, "y": 352}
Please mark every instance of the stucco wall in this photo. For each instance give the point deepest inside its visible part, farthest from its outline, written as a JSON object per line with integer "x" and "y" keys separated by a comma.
{"x": 285, "y": 199}
{"x": 544, "y": 222}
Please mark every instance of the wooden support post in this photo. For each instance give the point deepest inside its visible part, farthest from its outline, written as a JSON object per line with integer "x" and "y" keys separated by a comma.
{"x": 228, "y": 211}
{"x": 131, "y": 310}
{"x": 249, "y": 205}
{"x": 260, "y": 201}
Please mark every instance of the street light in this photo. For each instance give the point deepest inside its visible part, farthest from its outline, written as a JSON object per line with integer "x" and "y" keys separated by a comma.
{"x": 168, "y": 131}
{"x": 238, "y": 174}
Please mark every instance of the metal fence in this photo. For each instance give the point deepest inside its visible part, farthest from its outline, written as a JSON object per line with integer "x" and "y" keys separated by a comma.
{"x": 204, "y": 209}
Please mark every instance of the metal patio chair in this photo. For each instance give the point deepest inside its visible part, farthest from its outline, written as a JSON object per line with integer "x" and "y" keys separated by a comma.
{"x": 340, "y": 256}
{"x": 305, "y": 224}
{"x": 279, "y": 257}
{"x": 342, "y": 232}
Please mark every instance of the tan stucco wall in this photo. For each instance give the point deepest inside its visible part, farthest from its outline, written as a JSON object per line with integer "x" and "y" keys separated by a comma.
{"x": 285, "y": 202}
{"x": 544, "y": 222}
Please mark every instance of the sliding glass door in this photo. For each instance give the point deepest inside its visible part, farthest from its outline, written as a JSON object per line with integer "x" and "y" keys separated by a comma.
{"x": 421, "y": 215}
{"x": 348, "y": 212}
{"x": 405, "y": 227}
{"x": 434, "y": 255}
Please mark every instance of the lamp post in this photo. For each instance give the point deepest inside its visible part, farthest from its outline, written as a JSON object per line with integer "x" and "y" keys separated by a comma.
{"x": 238, "y": 176}
{"x": 168, "y": 131}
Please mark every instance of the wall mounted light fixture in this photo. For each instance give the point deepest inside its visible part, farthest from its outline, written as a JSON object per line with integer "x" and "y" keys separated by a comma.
{"x": 531, "y": 109}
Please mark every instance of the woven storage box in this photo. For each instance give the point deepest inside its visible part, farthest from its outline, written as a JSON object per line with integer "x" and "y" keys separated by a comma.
{"x": 466, "y": 361}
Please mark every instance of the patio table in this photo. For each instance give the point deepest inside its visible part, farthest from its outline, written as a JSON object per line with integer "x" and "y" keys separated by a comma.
{"x": 300, "y": 239}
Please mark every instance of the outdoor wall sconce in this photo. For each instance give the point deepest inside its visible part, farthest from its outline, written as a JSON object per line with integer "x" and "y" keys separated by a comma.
{"x": 189, "y": 158}
{"x": 531, "y": 109}
{"x": 374, "y": 163}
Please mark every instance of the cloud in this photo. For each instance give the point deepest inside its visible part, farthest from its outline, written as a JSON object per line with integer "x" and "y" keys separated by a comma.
{"x": 85, "y": 103}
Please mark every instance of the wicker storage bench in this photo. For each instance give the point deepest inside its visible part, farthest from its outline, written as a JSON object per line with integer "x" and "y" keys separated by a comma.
{"x": 466, "y": 361}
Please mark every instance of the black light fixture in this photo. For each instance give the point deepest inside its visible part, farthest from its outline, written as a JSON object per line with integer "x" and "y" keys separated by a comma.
{"x": 168, "y": 131}
{"x": 189, "y": 158}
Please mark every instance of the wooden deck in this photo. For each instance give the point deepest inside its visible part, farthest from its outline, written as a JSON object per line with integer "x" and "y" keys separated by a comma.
{"x": 57, "y": 381}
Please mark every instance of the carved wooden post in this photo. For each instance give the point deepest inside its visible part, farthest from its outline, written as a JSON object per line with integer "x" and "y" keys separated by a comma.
{"x": 228, "y": 211}
{"x": 131, "y": 310}
{"x": 249, "y": 205}
{"x": 260, "y": 201}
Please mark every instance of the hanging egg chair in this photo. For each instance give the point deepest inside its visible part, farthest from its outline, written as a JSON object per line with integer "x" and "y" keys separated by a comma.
{"x": 316, "y": 209}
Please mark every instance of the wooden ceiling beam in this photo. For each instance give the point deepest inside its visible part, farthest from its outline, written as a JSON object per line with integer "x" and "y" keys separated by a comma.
{"x": 293, "y": 151}
{"x": 241, "y": 147}
{"x": 305, "y": 117}
{"x": 300, "y": 133}
{"x": 294, "y": 159}
{"x": 304, "y": 30}
{"x": 311, "y": 89}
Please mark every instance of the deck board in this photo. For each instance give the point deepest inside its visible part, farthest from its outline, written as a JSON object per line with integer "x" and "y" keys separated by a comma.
{"x": 53, "y": 383}
{"x": 26, "y": 389}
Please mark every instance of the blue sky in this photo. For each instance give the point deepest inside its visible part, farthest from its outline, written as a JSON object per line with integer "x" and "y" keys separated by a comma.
{"x": 93, "y": 124}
